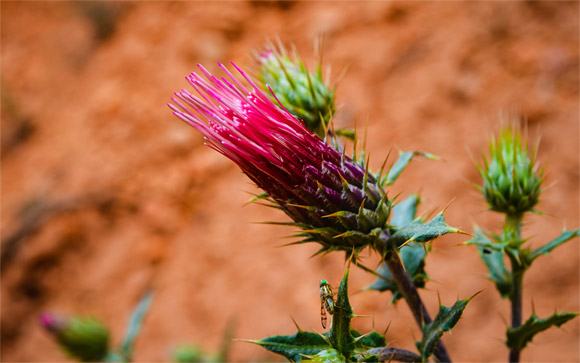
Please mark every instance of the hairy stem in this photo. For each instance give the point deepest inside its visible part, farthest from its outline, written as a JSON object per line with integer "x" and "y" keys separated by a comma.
{"x": 514, "y": 223}
{"x": 409, "y": 292}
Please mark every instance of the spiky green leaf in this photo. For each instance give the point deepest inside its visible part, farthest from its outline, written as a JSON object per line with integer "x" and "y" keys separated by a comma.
{"x": 558, "y": 241}
{"x": 401, "y": 163}
{"x": 492, "y": 254}
{"x": 498, "y": 273}
{"x": 445, "y": 320}
{"x": 295, "y": 347}
{"x": 519, "y": 337}
{"x": 417, "y": 231}
{"x": 371, "y": 340}
{"x": 480, "y": 239}
{"x": 328, "y": 355}
{"x": 340, "y": 334}
{"x": 405, "y": 211}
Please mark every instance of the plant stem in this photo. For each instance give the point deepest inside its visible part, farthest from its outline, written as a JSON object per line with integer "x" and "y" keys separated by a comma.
{"x": 514, "y": 223}
{"x": 409, "y": 292}
{"x": 388, "y": 354}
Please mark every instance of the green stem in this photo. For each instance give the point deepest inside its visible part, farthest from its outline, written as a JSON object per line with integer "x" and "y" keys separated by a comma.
{"x": 388, "y": 354}
{"x": 514, "y": 223}
{"x": 409, "y": 292}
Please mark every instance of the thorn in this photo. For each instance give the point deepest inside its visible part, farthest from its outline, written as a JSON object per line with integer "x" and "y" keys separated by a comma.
{"x": 406, "y": 243}
{"x": 295, "y": 324}
{"x": 448, "y": 204}
{"x": 308, "y": 207}
{"x": 474, "y": 295}
{"x": 361, "y": 208}
{"x": 387, "y": 328}
{"x": 384, "y": 164}
{"x": 247, "y": 341}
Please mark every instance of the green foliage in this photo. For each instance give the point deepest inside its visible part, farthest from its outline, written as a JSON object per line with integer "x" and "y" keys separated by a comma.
{"x": 413, "y": 254}
{"x": 368, "y": 341}
{"x": 558, "y": 241}
{"x": 341, "y": 343}
{"x": 404, "y": 212}
{"x": 512, "y": 185}
{"x": 84, "y": 338}
{"x": 498, "y": 273}
{"x": 413, "y": 257}
{"x": 492, "y": 254}
{"x": 134, "y": 325}
{"x": 418, "y": 231}
{"x": 518, "y": 338}
{"x": 401, "y": 163}
{"x": 295, "y": 347}
{"x": 340, "y": 334}
{"x": 482, "y": 240}
{"x": 444, "y": 321}
{"x": 328, "y": 355}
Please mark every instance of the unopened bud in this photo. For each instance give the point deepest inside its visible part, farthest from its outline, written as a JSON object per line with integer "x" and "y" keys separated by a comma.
{"x": 511, "y": 177}
{"x": 83, "y": 338}
{"x": 303, "y": 93}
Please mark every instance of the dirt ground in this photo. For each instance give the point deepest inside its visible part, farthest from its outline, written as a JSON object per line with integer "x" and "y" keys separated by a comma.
{"x": 105, "y": 193}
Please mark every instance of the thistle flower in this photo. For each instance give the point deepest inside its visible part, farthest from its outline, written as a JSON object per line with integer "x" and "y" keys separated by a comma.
{"x": 303, "y": 93}
{"x": 84, "y": 338}
{"x": 334, "y": 200}
{"x": 512, "y": 178}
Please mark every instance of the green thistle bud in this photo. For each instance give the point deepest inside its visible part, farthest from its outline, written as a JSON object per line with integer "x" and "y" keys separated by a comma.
{"x": 83, "y": 338}
{"x": 511, "y": 178}
{"x": 301, "y": 92}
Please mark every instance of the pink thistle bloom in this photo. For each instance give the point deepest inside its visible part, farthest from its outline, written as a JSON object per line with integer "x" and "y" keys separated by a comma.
{"x": 335, "y": 201}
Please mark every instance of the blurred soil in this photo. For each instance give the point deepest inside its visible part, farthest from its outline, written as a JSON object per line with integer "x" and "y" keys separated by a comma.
{"x": 105, "y": 193}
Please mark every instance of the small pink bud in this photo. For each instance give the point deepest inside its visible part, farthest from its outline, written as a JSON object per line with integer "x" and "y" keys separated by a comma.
{"x": 53, "y": 323}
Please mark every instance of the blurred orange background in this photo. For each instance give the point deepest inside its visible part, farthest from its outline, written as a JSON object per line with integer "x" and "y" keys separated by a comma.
{"x": 105, "y": 193}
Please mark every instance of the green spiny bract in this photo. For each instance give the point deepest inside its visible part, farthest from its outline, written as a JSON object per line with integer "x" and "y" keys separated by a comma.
{"x": 303, "y": 93}
{"x": 511, "y": 177}
{"x": 83, "y": 338}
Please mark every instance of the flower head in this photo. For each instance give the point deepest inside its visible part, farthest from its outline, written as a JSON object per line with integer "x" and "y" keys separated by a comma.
{"x": 334, "y": 200}
{"x": 511, "y": 177}
{"x": 84, "y": 338}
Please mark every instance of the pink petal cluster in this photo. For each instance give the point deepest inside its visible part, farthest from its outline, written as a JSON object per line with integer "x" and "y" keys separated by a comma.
{"x": 309, "y": 179}
{"x": 268, "y": 143}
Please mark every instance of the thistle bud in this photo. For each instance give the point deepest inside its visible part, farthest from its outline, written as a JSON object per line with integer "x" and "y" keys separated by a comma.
{"x": 511, "y": 177}
{"x": 335, "y": 200}
{"x": 303, "y": 93}
{"x": 83, "y": 338}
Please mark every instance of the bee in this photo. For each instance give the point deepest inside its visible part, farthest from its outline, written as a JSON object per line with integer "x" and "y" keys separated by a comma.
{"x": 326, "y": 301}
